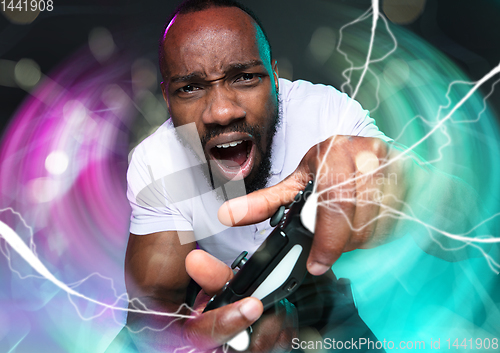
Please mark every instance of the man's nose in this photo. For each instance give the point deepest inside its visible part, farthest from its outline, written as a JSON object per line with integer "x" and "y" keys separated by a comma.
{"x": 222, "y": 107}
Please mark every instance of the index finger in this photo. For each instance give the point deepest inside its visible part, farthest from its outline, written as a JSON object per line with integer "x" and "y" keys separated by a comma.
{"x": 262, "y": 204}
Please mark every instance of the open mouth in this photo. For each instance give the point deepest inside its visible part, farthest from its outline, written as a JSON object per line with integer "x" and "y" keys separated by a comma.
{"x": 233, "y": 154}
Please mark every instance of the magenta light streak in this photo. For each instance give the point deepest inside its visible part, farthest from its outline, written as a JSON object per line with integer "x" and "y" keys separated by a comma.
{"x": 80, "y": 215}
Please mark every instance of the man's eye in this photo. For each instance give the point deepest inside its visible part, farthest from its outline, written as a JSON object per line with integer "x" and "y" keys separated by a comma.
{"x": 246, "y": 77}
{"x": 187, "y": 88}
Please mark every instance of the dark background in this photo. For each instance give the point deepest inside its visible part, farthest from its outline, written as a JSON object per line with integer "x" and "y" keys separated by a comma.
{"x": 467, "y": 31}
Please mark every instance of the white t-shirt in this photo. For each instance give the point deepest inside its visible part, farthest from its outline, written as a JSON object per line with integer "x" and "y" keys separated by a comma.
{"x": 168, "y": 191}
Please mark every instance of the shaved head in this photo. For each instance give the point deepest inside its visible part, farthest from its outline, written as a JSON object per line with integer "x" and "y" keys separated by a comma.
{"x": 191, "y": 6}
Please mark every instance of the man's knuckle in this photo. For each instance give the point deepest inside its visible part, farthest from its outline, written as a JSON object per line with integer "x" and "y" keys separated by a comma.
{"x": 361, "y": 236}
{"x": 222, "y": 325}
{"x": 338, "y": 142}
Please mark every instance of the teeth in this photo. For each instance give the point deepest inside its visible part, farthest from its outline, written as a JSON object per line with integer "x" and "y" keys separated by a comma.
{"x": 230, "y": 144}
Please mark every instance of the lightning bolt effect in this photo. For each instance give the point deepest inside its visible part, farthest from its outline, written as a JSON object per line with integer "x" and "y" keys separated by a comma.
{"x": 461, "y": 107}
{"x": 16, "y": 243}
{"x": 374, "y": 13}
{"x": 64, "y": 219}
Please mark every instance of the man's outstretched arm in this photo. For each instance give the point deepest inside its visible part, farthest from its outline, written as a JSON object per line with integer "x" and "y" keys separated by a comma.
{"x": 369, "y": 192}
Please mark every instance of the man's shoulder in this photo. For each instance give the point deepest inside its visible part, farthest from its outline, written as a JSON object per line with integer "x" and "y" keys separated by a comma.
{"x": 301, "y": 89}
{"x": 161, "y": 142}
{"x": 155, "y": 137}
{"x": 321, "y": 104}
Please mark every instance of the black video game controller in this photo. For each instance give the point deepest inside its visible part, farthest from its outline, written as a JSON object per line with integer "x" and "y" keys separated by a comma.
{"x": 278, "y": 266}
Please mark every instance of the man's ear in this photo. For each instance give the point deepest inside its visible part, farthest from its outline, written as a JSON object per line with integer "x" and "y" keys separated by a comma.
{"x": 165, "y": 97}
{"x": 274, "y": 64}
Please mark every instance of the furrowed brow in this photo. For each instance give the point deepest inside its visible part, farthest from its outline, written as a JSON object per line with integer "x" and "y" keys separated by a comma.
{"x": 198, "y": 76}
{"x": 187, "y": 78}
{"x": 244, "y": 66}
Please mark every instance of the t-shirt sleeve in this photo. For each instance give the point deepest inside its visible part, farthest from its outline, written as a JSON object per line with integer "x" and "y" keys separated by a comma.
{"x": 352, "y": 119}
{"x": 151, "y": 210}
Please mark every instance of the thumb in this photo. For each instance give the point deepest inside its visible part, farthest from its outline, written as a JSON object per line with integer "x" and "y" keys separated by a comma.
{"x": 262, "y": 204}
{"x": 215, "y": 327}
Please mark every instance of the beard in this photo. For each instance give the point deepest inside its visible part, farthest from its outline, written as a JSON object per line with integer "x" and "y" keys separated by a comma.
{"x": 259, "y": 177}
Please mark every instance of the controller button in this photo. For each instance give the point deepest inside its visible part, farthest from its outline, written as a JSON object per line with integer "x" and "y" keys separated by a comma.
{"x": 297, "y": 197}
{"x": 277, "y": 216}
{"x": 240, "y": 260}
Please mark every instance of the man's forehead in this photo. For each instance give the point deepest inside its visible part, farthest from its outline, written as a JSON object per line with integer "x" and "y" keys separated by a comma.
{"x": 213, "y": 27}
{"x": 213, "y": 19}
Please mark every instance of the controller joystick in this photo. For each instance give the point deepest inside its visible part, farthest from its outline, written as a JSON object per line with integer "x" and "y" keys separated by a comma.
{"x": 277, "y": 216}
{"x": 240, "y": 260}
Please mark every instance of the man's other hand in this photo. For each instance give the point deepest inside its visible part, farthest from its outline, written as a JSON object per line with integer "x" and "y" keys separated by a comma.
{"x": 360, "y": 192}
{"x": 205, "y": 331}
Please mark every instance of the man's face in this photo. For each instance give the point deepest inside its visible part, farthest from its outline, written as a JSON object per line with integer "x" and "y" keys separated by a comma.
{"x": 220, "y": 77}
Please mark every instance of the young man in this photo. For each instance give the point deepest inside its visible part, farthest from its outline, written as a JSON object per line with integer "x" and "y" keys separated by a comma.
{"x": 220, "y": 78}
